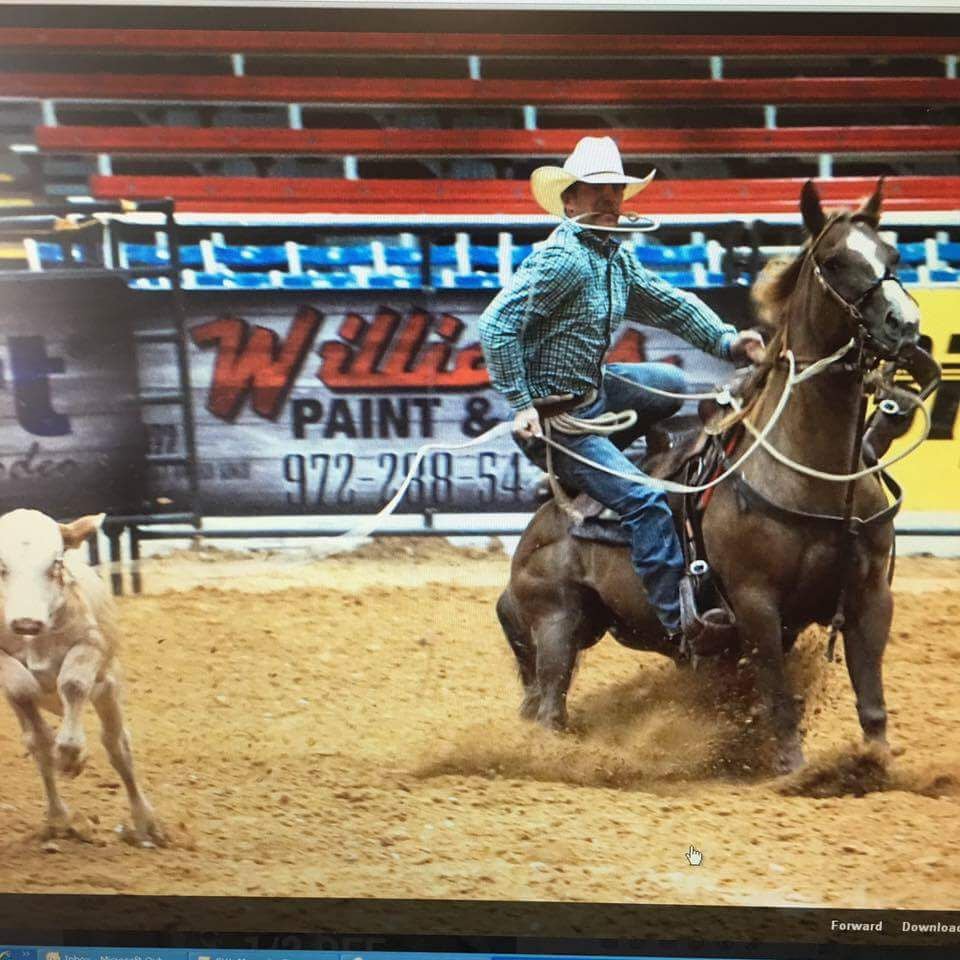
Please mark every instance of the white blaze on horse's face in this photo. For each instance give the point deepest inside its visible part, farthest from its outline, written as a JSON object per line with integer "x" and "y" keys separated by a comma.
{"x": 909, "y": 310}
{"x": 31, "y": 571}
{"x": 859, "y": 242}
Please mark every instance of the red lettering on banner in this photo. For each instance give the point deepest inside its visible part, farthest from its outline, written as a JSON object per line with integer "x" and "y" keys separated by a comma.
{"x": 253, "y": 361}
{"x": 393, "y": 353}
{"x": 632, "y": 348}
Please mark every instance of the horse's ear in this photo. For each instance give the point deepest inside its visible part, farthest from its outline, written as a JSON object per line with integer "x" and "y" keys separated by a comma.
{"x": 870, "y": 211}
{"x": 814, "y": 219}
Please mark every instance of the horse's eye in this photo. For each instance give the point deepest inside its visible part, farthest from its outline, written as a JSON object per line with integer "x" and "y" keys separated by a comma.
{"x": 833, "y": 262}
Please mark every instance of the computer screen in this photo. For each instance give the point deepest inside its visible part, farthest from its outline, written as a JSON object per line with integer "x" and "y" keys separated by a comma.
{"x": 478, "y": 483}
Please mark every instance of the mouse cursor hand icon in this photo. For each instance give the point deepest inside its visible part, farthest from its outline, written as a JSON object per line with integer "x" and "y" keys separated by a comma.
{"x": 694, "y": 856}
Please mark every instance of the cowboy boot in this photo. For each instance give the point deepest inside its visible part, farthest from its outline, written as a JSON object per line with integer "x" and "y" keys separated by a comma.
{"x": 708, "y": 634}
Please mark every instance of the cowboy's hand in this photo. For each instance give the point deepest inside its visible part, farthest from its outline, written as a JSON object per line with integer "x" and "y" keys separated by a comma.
{"x": 747, "y": 348}
{"x": 527, "y": 423}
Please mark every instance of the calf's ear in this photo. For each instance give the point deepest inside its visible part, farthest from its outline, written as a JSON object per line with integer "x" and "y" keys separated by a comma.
{"x": 75, "y": 533}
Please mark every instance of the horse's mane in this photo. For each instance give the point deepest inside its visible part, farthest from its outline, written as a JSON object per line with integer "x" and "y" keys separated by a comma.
{"x": 770, "y": 294}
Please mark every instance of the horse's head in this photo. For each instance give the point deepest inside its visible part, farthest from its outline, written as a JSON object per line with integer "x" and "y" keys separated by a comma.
{"x": 857, "y": 270}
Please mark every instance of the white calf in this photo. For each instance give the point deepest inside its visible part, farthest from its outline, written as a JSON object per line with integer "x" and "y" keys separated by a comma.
{"x": 57, "y": 651}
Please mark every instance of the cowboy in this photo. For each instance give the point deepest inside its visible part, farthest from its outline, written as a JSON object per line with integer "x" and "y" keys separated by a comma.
{"x": 545, "y": 335}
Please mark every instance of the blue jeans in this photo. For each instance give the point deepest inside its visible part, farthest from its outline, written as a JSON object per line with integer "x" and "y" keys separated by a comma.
{"x": 654, "y": 547}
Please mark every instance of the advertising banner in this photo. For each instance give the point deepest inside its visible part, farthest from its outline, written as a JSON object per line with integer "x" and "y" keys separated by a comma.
{"x": 931, "y": 475}
{"x": 314, "y": 404}
{"x": 307, "y": 406}
{"x": 71, "y": 437}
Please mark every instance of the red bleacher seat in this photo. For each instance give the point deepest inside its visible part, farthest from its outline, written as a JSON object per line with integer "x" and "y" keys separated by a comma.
{"x": 510, "y": 197}
{"x": 452, "y": 44}
{"x": 371, "y": 91}
{"x": 491, "y": 142}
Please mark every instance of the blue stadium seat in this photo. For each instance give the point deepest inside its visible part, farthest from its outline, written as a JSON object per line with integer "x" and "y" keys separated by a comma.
{"x": 908, "y": 276}
{"x": 443, "y": 256}
{"x": 294, "y": 281}
{"x": 448, "y": 279}
{"x": 944, "y": 276}
{"x": 50, "y": 253}
{"x": 195, "y": 280}
{"x": 684, "y": 255}
{"x": 147, "y": 255}
{"x": 912, "y": 254}
{"x": 403, "y": 256}
{"x": 261, "y": 258}
{"x": 149, "y": 283}
{"x": 144, "y": 255}
{"x": 487, "y": 258}
{"x": 950, "y": 252}
{"x": 682, "y": 278}
{"x": 385, "y": 281}
{"x": 356, "y": 255}
{"x": 332, "y": 280}
{"x": 252, "y": 281}
{"x": 521, "y": 252}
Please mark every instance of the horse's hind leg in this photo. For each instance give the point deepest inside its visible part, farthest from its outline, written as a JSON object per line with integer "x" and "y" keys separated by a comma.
{"x": 557, "y": 640}
{"x": 524, "y": 649}
{"x": 864, "y": 640}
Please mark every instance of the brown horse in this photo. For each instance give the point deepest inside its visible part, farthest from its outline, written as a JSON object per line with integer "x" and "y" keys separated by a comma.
{"x": 780, "y": 572}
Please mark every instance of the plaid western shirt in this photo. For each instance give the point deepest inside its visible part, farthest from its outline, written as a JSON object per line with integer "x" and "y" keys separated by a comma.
{"x": 547, "y": 331}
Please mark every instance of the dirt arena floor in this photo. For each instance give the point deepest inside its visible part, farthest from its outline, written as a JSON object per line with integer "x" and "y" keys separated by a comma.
{"x": 347, "y": 728}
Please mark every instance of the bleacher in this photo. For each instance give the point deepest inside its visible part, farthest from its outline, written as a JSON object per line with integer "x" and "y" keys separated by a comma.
{"x": 214, "y": 264}
{"x": 383, "y": 108}
{"x": 237, "y": 122}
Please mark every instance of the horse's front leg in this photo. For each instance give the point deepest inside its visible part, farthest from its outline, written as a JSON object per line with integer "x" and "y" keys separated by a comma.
{"x": 864, "y": 638}
{"x": 760, "y": 627}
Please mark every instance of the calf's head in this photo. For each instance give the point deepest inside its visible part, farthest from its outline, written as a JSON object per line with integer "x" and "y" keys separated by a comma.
{"x": 32, "y": 576}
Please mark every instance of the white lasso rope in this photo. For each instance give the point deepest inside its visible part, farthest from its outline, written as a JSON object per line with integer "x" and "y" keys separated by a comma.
{"x": 611, "y": 422}
{"x": 845, "y": 477}
{"x": 672, "y": 486}
{"x": 366, "y": 526}
{"x": 651, "y": 224}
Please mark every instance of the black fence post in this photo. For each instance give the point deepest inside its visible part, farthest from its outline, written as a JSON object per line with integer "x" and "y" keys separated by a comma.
{"x": 116, "y": 572}
{"x": 136, "y": 578}
{"x": 183, "y": 363}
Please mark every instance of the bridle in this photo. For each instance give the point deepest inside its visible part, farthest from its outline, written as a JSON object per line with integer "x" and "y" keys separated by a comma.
{"x": 865, "y": 337}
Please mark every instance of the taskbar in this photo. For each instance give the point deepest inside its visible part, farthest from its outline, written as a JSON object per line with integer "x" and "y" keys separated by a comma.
{"x": 721, "y": 952}
{"x": 510, "y": 926}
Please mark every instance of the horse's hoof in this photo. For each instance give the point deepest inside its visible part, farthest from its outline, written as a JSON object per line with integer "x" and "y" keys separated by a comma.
{"x": 790, "y": 760}
{"x": 528, "y": 709}
{"x": 553, "y": 723}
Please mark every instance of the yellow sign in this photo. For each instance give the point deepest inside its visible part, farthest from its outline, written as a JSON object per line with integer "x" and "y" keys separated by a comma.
{"x": 931, "y": 475}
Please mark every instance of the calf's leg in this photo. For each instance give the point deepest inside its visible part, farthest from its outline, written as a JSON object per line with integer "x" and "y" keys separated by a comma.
{"x": 116, "y": 740}
{"x": 78, "y": 674}
{"x": 22, "y": 692}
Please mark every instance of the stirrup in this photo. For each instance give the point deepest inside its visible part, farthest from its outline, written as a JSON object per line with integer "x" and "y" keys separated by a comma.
{"x": 707, "y": 634}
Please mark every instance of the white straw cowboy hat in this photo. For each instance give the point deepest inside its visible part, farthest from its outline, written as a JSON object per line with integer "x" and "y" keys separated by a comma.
{"x": 594, "y": 160}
